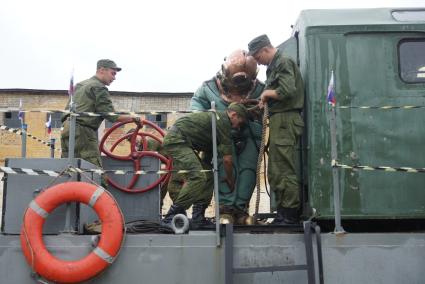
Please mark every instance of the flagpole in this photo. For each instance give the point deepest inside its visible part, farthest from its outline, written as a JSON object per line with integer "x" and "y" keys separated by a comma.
{"x": 23, "y": 131}
{"x": 52, "y": 140}
{"x": 334, "y": 155}
{"x": 71, "y": 146}
{"x": 72, "y": 121}
{"x": 24, "y": 140}
{"x": 52, "y": 147}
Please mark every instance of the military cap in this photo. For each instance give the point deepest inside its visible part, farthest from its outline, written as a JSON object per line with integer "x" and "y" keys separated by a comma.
{"x": 258, "y": 43}
{"x": 107, "y": 63}
{"x": 240, "y": 109}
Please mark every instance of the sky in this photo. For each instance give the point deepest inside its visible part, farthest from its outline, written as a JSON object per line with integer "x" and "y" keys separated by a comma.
{"x": 162, "y": 45}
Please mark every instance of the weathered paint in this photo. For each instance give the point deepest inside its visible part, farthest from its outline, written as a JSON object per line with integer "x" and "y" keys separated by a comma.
{"x": 194, "y": 258}
{"x": 361, "y": 47}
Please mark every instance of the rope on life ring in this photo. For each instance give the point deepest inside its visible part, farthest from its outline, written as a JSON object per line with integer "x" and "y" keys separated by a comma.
{"x": 111, "y": 238}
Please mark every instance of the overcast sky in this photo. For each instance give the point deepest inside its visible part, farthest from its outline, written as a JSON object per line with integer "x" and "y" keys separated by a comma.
{"x": 162, "y": 46}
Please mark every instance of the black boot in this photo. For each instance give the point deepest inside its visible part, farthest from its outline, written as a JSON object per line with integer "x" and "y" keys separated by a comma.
{"x": 173, "y": 211}
{"x": 279, "y": 216}
{"x": 286, "y": 216}
{"x": 198, "y": 217}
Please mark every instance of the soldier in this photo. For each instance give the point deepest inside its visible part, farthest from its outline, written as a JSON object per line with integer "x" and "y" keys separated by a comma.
{"x": 92, "y": 95}
{"x": 284, "y": 95}
{"x": 235, "y": 82}
{"x": 190, "y": 134}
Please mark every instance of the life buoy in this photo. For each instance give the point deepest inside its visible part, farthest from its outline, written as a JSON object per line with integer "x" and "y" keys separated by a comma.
{"x": 57, "y": 270}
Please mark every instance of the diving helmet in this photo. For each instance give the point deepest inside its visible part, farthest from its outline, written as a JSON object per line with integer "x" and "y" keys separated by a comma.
{"x": 238, "y": 72}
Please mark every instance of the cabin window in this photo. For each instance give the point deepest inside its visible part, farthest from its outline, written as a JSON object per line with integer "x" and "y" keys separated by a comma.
{"x": 412, "y": 60}
{"x": 158, "y": 119}
{"x": 409, "y": 16}
{"x": 56, "y": 119}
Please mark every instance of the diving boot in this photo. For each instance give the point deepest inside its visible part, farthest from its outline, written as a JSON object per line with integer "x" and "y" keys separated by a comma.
{"x": 243, "y": 218}
{"x": 286, "y": 217}
{"x": 173, "y": 211}
{"x": 198, "y": 217}
{"x": 226, "y": 214}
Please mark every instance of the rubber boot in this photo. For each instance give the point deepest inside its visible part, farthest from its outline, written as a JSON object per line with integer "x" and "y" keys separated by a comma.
{"x": 286, "y": 217}
{"x": 198, "y": 217}
{"x": 173, "y": 211}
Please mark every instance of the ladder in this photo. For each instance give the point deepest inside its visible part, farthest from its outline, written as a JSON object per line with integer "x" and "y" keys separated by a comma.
{"x": 310, "y": 228}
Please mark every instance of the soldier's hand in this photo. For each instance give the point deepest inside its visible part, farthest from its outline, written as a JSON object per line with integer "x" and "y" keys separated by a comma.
{"x": 263, "y": 100}
{"x": 261, "y": 105}
{"x": 137, "y": 121}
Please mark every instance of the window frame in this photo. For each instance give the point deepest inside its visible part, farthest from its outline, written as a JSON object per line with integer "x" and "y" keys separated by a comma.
{"x": 56, "y": 119}
{"x": 14, "y": 116}
{"x": 400, "y": 43}
{"x": 160, "y": 123}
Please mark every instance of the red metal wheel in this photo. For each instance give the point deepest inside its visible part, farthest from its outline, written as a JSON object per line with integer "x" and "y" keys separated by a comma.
{"x": 137, "y": 153}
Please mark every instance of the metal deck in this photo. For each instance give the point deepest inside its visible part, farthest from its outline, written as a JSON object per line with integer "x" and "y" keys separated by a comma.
{"x": 194, "y": 258}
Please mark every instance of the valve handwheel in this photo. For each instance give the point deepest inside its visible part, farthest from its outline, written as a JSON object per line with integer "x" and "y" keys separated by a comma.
{"x": 139, "y": 149}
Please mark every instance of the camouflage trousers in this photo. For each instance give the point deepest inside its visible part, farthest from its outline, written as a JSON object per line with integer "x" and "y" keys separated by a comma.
{"x": 197, "y": 185}
{"x": 86, "y": 143}
{"x": 285, "y": 130}
{"x": 244, "y": 167}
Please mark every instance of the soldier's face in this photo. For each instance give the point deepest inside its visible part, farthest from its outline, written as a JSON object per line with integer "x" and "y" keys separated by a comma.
{"x": 260, "y": 57}
{"x": 108, "y": 75}
{"x": 235, "y": 120}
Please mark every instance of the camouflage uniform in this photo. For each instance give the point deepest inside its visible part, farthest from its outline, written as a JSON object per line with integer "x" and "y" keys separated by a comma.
{"x": 189, "y": 134}
{"x": 245, "y": 158}
{"x": 90, "y": 95}
{"x": 286, "y": 126}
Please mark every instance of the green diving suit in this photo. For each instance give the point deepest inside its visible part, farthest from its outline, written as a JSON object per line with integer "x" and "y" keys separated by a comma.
{"x": 246, "y": 143}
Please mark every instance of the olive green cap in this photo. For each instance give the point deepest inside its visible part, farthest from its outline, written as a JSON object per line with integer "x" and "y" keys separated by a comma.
{"x": 258, "y": 43}
{"x": 107, "y": 63}
{"x": 240, "y": 109}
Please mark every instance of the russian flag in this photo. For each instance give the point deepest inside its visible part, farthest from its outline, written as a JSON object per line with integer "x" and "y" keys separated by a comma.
{"x": 331, "y": 91}
{"x": 20, "y": 113}
{"x": 49, "y": 125}
{"x": 71, "y": 85}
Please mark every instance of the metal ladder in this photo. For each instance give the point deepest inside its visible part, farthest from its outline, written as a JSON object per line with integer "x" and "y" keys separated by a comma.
{"x": 309, "y": 229}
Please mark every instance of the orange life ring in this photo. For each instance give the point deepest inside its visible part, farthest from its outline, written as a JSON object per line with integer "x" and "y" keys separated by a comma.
{"x": 57, "y": 270}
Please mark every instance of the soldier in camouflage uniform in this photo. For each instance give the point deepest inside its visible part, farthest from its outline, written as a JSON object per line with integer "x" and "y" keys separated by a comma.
{"x": 91, "y": 95}
{"x": 235, "y": 82}
{"x": 284, "y": 94}
{"x": 191, "y": 134}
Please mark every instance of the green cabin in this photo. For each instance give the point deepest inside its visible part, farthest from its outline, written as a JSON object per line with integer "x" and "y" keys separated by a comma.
{"x": 378, "y": 60}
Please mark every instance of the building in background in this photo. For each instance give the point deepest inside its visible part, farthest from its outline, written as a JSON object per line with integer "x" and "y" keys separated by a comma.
{"x": 10, "y": 143}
